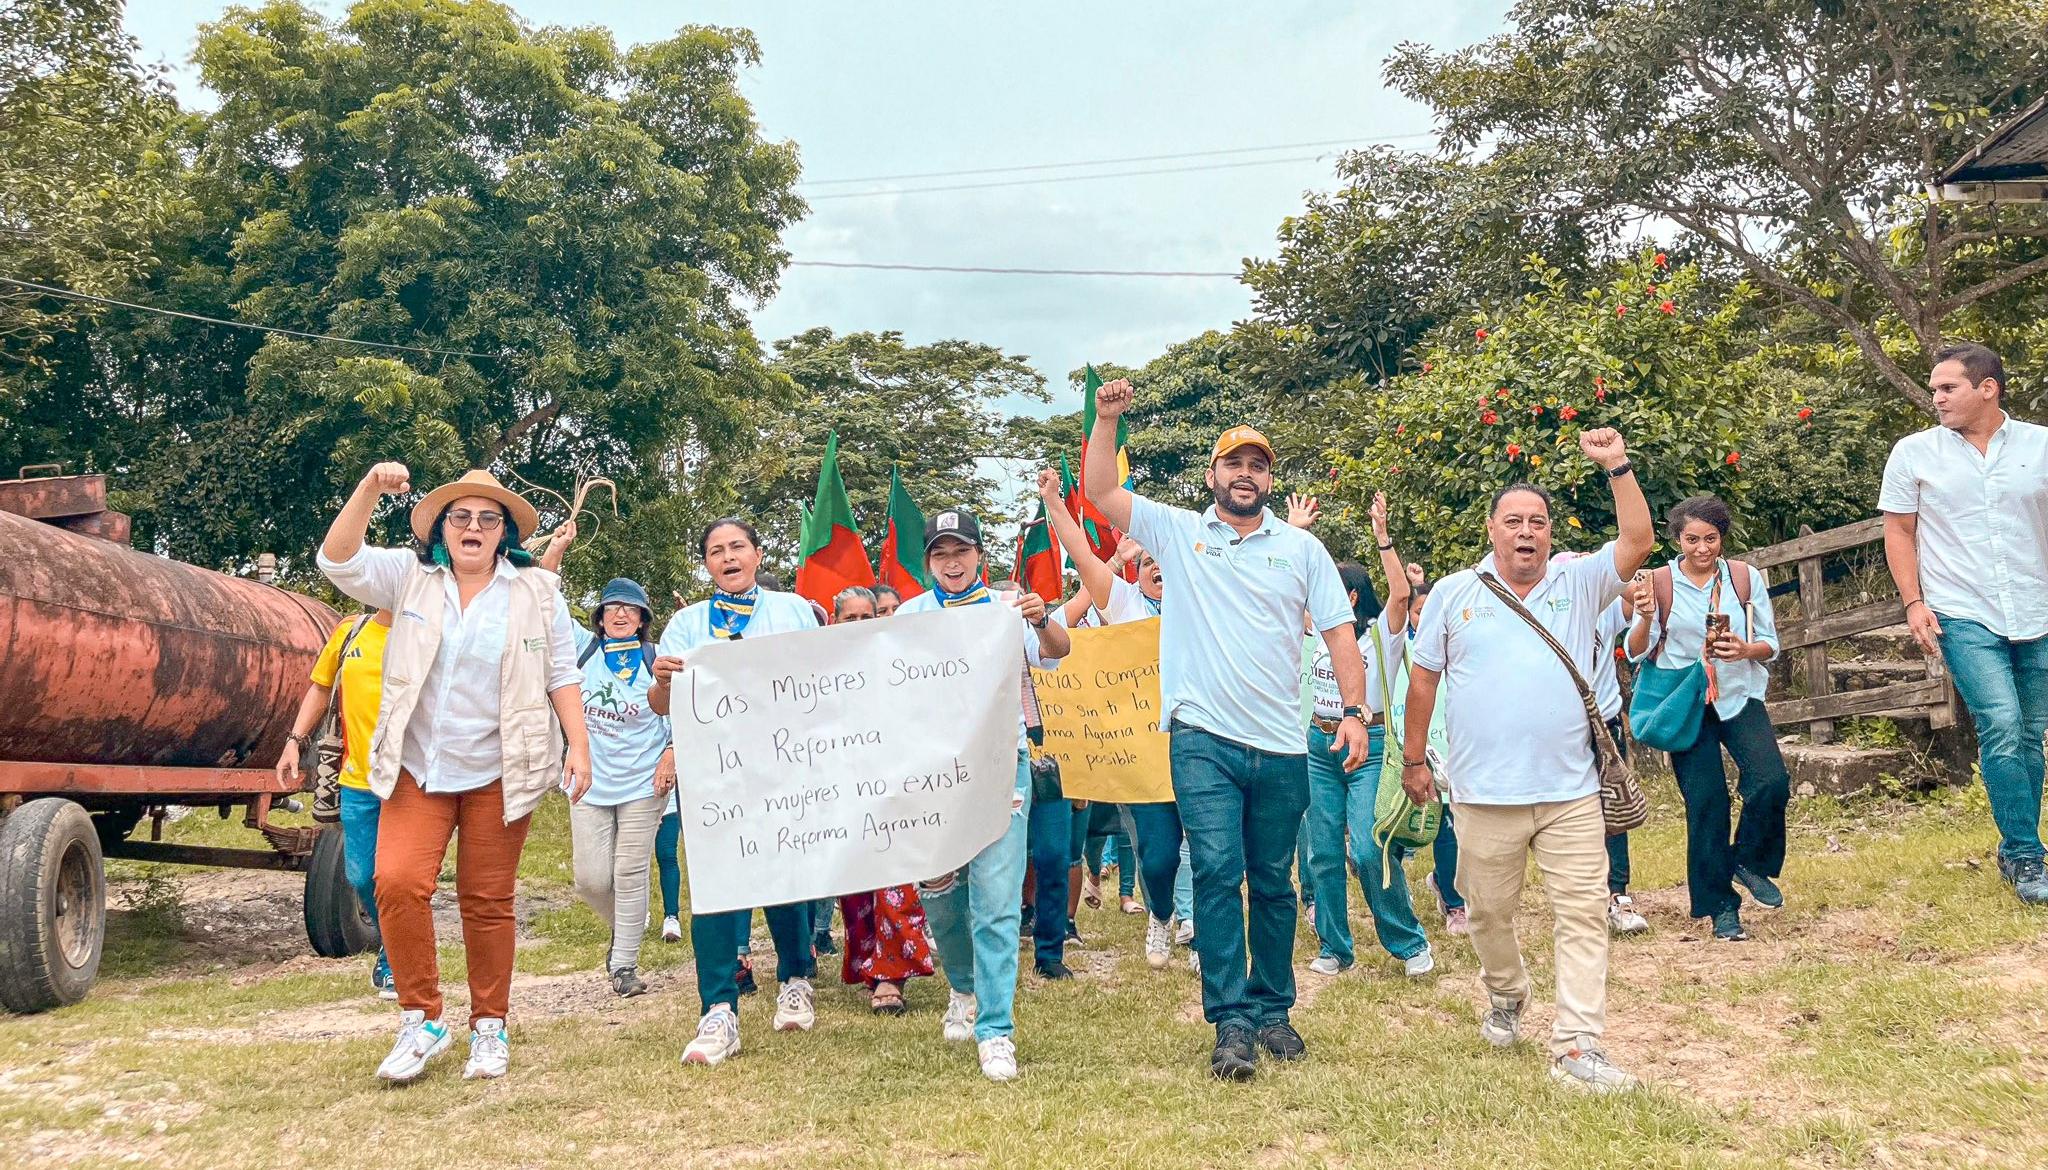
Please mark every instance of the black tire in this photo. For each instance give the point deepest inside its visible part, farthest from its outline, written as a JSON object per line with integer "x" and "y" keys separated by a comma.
{"x": 336, "y": 923}
{"x": 53, "y": 905}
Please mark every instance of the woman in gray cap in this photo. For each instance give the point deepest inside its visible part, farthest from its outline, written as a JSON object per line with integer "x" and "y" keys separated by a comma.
{"x": 632, "y": 772}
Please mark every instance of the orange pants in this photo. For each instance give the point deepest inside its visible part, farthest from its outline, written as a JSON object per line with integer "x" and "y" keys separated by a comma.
{"x": 412, "y": 837}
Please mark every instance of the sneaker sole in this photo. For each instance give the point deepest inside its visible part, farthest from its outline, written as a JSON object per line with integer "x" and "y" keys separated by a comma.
{"x": 440, "y": 1046}
{"x": 469, "y": 1074}
{"x": 1599, "y": 1088}
{"x": 711, "y": 1061}
{"x": 1237, "y": 1071}
{"x": 794, "y": 1025}
{"x": 1499, "y": 1040}
{"x": 1156, "y": 961}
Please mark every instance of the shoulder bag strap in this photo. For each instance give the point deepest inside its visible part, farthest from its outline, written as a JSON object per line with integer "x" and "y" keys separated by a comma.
{"x": 1660, "y": 589}
{"x": 340, "y": 661}
{"x": 596, "y": 640}
{"x": 1738, "y": 575}
{"x": 1563, "y": 655}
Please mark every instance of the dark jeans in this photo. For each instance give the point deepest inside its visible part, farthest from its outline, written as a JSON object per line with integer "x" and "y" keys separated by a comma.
{"x": 1759, "y": 843}
{"x": 1158, "y": 849}
{"x": 1241, "y": 809}
{"x": 2005, "y": 685}
{"x": 1050, "y": 845}
{"x": 1105, "y": 823}
{"x": 717, "y": 938}
{"x": 669, "y": 863}
{"x": 1445, "y": 852}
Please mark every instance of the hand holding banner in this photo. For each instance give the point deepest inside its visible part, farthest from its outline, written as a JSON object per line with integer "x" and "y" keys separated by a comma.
{"x": 851, "y": 758}
{"x": 1101, "y": 714}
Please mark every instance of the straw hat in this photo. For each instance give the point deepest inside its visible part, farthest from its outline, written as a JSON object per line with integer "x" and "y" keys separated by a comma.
{"x": 473, "y": 483}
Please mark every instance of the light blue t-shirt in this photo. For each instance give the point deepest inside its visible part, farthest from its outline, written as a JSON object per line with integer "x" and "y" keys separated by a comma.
{"x": 1229, "y": 649}
{"x": 626, "y": 736}
{"x": 1738, "y": 682}
{"x": 774, "y": 613}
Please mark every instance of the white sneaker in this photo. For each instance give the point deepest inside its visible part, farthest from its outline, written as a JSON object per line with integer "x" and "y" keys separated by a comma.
{"x": 1158, "y": 943}
{"x": 999, "y": 1058}
{"x": 671, "y": 929}
{"x": 1419, "y": 964}
{"x": 796, "y": 1008}
{"x": 1184, "y": 933}
{"x": 1622, "y": 917}
{"x": 958, "y": 1024}
{"x": 1589, "y": 1069}
{"x": 419, "y": 1041}
{"x": 489, "y": 1053}
{"x": 1327, "y": 965}
{"x": 1195, "y": 962}
{"x": 718, "y": 1036}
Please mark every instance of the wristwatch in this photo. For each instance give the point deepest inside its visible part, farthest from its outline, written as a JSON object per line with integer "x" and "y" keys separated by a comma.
{"x": 1620, "y": 469}
{"x": 1353, "y": 712}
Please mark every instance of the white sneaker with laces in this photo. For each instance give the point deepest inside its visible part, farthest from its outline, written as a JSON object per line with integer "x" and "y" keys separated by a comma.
{"x": 1502, "y": 1024}
{"x": 796, "y": 1008}
{"x": 1158, "y": 943}
{"x": 1195, "y": 961}
{"x": 1589, "y": 1069}
{"x": 1327, "y": 965}
{"x": 1622, "y": 916}
{"x": 1419, "y": 964}
{"x": 999, "y": 1058}
{"x": 1184, "y": 933}
{"x": 718, "y": 1036}
{"x": 671, "y": 929}
{"x": 419, "y": 1041}
{"x": 490, "y": 1055}
{"x": 958, "y": 1024}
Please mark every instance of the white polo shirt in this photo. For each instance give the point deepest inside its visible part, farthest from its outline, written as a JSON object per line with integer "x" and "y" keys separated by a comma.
{"x": 1983, "y": 531}
{"x": 1229, "y": 645}
{"x": 1516, "y": 726}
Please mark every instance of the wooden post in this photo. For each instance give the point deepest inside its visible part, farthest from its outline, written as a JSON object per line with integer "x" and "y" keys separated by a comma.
{"x": 1813, "y": 604}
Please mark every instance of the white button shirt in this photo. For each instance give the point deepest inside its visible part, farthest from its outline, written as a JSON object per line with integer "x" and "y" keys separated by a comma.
{"x": 1983, "y": 523}
{"x": 451, "y": 742}
{"x": 1738, "y": 682}
{"x": 774, "y": 613}
{"x": 1516, "y": 726}
{"x": 1229, "y": 645}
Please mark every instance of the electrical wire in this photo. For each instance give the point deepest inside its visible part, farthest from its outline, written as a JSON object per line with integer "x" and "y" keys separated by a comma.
{"x": 1104, "y": 162}
{"x": 69, "y": 294}
{"x": 1261, "y": 162}
{"x": 1002, "y": 271}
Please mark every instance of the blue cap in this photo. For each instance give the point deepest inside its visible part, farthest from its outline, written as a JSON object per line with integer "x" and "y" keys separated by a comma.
{"x": 628, "y": 591}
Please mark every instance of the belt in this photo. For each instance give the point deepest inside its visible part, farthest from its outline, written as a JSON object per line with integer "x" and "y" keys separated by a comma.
{"x": 1329, "y": 726}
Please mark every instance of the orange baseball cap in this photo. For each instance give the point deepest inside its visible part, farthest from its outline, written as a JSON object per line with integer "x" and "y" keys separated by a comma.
{"x": 1240, "y": 436}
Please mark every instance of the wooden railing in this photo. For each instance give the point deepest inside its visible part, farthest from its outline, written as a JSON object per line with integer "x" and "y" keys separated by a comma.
{"x": 1805, "y": 642}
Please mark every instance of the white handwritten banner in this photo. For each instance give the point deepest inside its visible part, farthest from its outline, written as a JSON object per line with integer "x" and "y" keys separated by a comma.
{"x": 845, "y": 759}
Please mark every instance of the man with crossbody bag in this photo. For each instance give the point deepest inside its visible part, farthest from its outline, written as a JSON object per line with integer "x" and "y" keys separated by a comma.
{"x": 1532, "y": 769}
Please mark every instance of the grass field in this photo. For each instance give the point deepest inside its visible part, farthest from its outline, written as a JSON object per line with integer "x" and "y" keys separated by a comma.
{"x": 1893, "y": 1015}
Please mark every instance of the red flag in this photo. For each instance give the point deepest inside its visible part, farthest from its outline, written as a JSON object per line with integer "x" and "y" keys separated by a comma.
{"x": 833, "y": 557}
{"x": 905, "y": 530}
{"x": 1038, "y": 559}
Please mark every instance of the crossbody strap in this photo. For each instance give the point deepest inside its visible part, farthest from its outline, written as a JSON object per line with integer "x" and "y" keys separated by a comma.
{"x": 340, "y": 661}
{"x": 1563, "y": 655}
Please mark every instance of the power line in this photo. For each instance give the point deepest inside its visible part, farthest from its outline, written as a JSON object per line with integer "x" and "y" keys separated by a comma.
{"x": 1000, "y": 271}
{"x": 1103, "y": 162}
{"x": 68, "y": 294}
{"x": 1262, "y": 162}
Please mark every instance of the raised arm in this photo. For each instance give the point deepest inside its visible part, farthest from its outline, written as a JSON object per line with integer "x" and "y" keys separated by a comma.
{"x": 1638, "y": 535}
{"x": 345, "y": 535}
{"x": 558, "y": 547}
{"x": 1398, "y": 590}
{"x": 1096, "y": 576}
{"x": 1099, "y": 479}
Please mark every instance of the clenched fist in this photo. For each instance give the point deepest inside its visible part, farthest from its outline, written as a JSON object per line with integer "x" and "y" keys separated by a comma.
{"x": 1113, "y": 399}
{"x": 388, "y": 479}
{"x": 1603, "y": 446}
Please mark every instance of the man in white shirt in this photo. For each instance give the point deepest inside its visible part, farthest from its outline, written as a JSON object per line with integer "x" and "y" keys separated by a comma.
{"x": 1966, "y": 536}
{"x": 1523, "y": 772}
{"x": 1240, "y": 580}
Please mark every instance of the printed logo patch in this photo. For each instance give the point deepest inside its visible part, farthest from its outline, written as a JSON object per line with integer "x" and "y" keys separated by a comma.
{"x": 534, "y": 645}
{"x": 1279, "y": 563}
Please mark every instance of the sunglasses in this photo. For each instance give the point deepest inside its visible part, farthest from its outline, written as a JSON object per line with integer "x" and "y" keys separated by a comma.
{"x": 482, "y": 521}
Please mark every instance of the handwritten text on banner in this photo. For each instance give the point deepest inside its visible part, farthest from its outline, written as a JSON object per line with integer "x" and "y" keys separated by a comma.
{"x": 1101, "y": 714}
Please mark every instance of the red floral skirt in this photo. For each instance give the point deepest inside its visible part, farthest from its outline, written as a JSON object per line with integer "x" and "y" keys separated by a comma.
{"x": 885, "y": 937}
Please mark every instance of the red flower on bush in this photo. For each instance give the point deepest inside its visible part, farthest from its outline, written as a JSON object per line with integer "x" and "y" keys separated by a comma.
{"x": 1599, "y": 395}
{"x": 1536, "y": 411}
{"x": 1568, "y": 413}
{"x": 1426, "y": 367}
{"x": 1488, "y": 417}
{"x": 1400, "y": 428}
{"x": 1734, "y": 457}
{"x": 1479, "y": 335}
{"x": 1805, "y": 412}
{"x": 1621, "y": 310}
{"x": 1501, "y": 393}
{"x": 1514, "y": 450}
{"x": 1650, "y": 289}
{"x": 1667, "y": 307}
{"x": 1333, "y": 474}
{"x": 1658, "y": 260}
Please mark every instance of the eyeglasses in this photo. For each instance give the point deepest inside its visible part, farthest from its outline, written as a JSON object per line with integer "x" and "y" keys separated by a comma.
{"x": 482, "y": 521}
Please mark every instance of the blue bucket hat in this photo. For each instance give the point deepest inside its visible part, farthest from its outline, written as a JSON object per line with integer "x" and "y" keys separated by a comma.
{"x": 624, "y": 590}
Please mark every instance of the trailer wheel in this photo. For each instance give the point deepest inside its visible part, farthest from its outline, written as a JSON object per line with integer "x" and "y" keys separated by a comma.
{"x": 53, "y": 905}
{"x": 336, "y": 923}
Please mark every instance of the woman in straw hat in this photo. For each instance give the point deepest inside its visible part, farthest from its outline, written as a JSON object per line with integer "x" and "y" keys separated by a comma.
{"x": 481, "y": 692}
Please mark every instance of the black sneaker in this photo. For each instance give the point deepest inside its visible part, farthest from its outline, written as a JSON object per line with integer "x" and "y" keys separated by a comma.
{"x": 2029, "y": 879}
{"x": 1054, "y": 969}
{"x": 626, "y": 983}
{"x": 822, "y": 943}
{"x": 1282, "y": 1041}
{"x": 1073, "y": 931}
{"x": 1728, "y": 926}
{"x": 1235, "y": 1057}
{"x": 746, "y": 982}
{"x": 1763, "y": 889}
{"x": 1028, "y": 924}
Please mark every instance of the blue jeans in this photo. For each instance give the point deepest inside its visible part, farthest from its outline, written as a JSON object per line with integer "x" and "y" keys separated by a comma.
{"x": 665, "y": 858}
{"x": 2005, "y": 685}
{"x": 359, "y": 811}
{"x": 1341, "y": 806}
{"x": 973, "y": 917}
{"x": 718, "y": 938}
{"x": 1050, "y": 842}
{"x": 1162, "y": 859}
{"x": 1241, "y": 808}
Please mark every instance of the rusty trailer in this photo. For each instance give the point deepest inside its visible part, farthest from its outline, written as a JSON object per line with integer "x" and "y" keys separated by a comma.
{"x": 132, "y": 684}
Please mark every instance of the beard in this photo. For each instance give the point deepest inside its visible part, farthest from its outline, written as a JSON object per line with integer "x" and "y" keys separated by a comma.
{"x": 1221, "y": 496}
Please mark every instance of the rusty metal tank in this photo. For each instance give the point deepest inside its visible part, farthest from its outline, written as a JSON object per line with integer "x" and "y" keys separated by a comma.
{"x": 113, "y": 656}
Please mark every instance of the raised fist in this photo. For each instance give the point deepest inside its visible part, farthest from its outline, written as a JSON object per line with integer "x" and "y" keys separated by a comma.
{"x": 389, "y": 479}
{"x": 1113, "y": 399}
{"x": 1603, "y": 446}
{"x": 1048, "y": 483}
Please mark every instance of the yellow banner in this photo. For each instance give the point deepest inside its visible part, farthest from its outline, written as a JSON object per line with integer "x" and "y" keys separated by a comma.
{"x": 1101, "y": 712}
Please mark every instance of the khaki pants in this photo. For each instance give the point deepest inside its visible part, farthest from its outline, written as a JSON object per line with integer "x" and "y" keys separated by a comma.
{"x": 1569, "y": 842}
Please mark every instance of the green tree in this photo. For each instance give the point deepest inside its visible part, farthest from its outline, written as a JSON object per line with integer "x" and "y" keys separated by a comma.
{"x": 576, "y": 228}
{"x": 1797, "y": 140}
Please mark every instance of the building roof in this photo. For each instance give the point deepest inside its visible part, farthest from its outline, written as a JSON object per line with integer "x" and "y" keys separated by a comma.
{"x": 2015, "y": 152}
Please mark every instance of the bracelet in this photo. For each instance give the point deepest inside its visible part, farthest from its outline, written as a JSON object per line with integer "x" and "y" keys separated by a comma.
{"x": 1916, "y": 601}
{"x": 1620, "y": 469}
{"x": 1408, "y": 763}
{"x": 1387, "y": 547}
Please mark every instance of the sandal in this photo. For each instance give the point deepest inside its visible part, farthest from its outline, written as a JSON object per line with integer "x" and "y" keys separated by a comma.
{"x": 886, "y": 1000}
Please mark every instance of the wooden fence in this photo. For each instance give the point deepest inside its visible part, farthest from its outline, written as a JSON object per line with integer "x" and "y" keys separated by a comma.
{"x": 1805, "y": 642}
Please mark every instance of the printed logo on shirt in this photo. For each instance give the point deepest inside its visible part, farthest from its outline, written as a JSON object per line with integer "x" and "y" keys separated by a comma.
{"x": 1471, "y": 612}
{"x": 1208, "y": 549}
{"x": 534, "y": 645}
{"x": 607, "y": 695}
{"x": 1558, "y": 604}
{"x": 1280, "y": 563}
{"x": 406, "y": 613}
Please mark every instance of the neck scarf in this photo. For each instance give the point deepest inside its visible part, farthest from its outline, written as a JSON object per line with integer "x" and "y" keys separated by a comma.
{"x": 1151, "y": 602}
{"x": 731, "y": 611}
{"x": 975, "y": 596}
{"x": 622, "y": 656}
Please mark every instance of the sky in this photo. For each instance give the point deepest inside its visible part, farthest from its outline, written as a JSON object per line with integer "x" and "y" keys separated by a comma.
{"x": 911, "y": 88}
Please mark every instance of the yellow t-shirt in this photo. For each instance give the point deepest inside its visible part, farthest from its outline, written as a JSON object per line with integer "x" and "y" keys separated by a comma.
{"x": 362, "y": 688}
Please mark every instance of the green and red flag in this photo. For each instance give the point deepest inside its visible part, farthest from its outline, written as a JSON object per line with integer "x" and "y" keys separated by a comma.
{"x": 1090, "y": 383}
{"x": 833, "y": 557}
{"x": 1102, "y": 539}
{"x": 1038, "y": 559}
{"x": 899, "y": 563}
